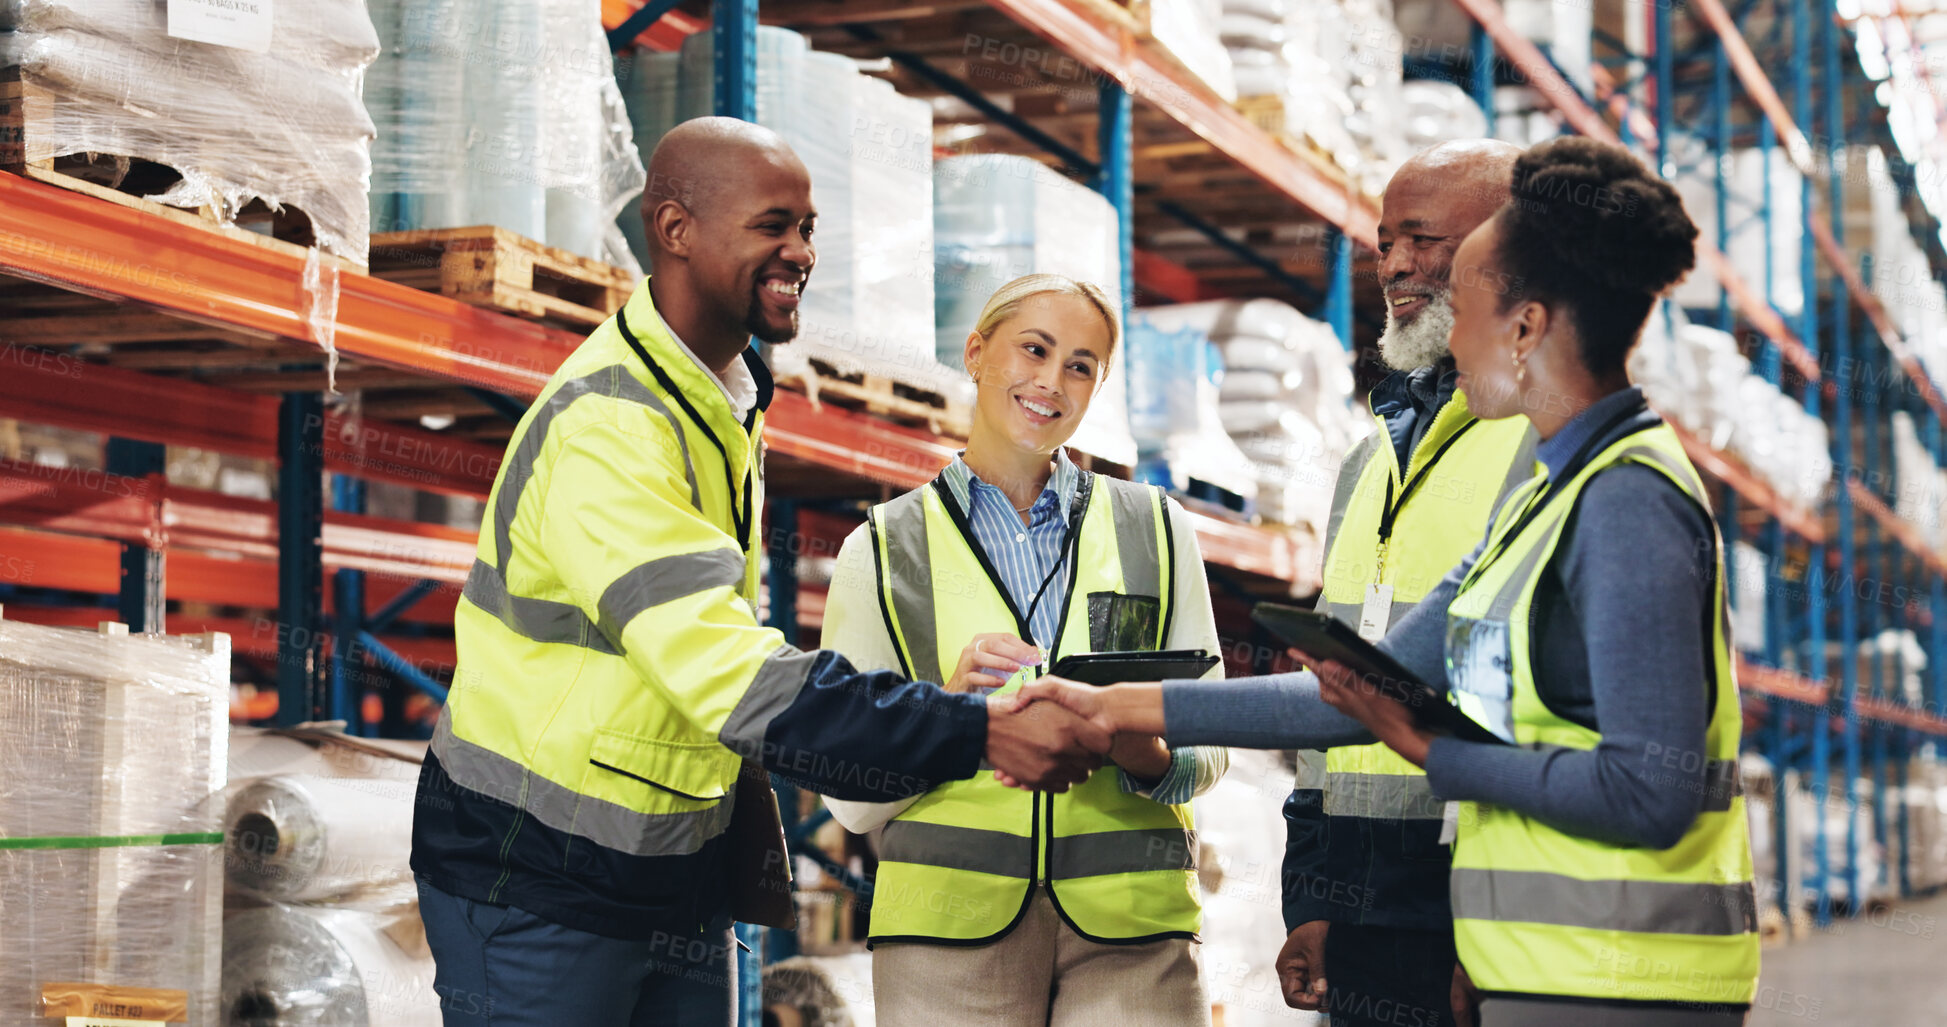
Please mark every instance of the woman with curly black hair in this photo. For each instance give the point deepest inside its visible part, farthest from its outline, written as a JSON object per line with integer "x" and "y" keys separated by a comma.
{"x": 1602, "y": 868}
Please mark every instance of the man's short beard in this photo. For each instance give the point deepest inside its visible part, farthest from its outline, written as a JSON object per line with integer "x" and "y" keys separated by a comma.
{"x": 1421, "y": 342}
{"x": 766, "y": 334}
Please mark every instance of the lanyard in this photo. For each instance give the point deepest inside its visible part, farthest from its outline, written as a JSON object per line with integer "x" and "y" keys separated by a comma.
{"x": 740, "y": 512}
{"x": 1077, "y": 506}
{"x": 1539, "y": 502}
{"x": 1389, "y": 511}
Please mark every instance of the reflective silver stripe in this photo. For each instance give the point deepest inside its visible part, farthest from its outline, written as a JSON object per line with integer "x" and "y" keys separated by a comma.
{"x": 482, "y": 770}
{"x": 539, "y": 620}
{"x": 1134, "y": 512}
{"x": 1311, "y": 771}
{"x": 1122, "y": 852}
{"x": 909, "y": 581}
{"x": 1353, "y": 469}
{"x": 1642, "y": 907}
{"x": 1683, "y": 474}
{"x": 958, "y": 848}
{"x": 1722, "y": 785}
{"x": 1353, "y": 613}
{"x": 1381, "y": 797}
{"x": 1532, "y": 1011}
{"x": 1521, "y": 470}
{"x": 777, "y": 682}
{"x": 614, "y": 382}
{"x": 1517, "y": 583}
{"x": 664, "y": 580}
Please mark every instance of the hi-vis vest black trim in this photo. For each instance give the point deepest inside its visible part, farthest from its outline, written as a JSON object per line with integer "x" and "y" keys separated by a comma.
{"x": 960, "y": 865}
{"x": 1541, "y": 912}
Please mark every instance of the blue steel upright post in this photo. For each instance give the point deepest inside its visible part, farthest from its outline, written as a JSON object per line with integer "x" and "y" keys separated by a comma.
{"x": 1115, "y": 177}
{"x": 347, "y": 694}
{"x": 734, "y": 39}
{"x": 300, "y": 555}
{"x": 141, "y": 600}
{"x": 1338, "y": 284}
{"x": 1482, "y": 45}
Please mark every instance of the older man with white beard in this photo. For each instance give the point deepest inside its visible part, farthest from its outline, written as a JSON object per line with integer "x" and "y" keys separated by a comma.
{"x": 1367, "y": 844}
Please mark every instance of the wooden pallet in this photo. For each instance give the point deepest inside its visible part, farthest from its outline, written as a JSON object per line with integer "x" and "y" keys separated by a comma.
{"x": 493, "y": 267}
{"x": 879, "y": 395}
{"x": 26, "y": 129}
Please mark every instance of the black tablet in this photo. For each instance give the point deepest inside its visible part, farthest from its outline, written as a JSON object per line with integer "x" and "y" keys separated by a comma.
{"x": 1329, "y": 639}
{"x": 1115, "y": 668}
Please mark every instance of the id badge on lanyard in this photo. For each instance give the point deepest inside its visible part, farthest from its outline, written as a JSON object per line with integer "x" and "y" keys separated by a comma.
{"x": 1377, "y": 612}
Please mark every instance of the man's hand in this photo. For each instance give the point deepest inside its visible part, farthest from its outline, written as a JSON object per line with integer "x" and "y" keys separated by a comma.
{"x": 1466, "y": 999}
{"x": 1042, "y": 746}
{"x": 1301, "y": 966}
{"x": 989, "y": 660}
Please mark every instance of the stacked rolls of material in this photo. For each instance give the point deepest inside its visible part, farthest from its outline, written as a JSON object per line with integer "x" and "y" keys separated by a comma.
{"x": 820, "y": 991}
{"x": 285, "y": 966}
{"x": 305, "y": 838}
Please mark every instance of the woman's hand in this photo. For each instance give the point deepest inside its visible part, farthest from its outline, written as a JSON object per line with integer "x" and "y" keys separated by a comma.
{"x": 1131, "y": 712}
{"x": 989, "y": 660}
{"x": 1359, "y": 699}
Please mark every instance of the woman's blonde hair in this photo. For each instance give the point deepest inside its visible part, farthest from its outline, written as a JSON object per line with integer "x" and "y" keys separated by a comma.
{"x": 1008, "y": 300}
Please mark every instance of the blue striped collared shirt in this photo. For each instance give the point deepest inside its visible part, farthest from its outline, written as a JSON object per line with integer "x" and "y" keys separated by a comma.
{"x": 1025, "y": 556}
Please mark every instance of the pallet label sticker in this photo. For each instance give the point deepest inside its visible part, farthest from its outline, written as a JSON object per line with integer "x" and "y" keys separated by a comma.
{"x": 243, "y": 24}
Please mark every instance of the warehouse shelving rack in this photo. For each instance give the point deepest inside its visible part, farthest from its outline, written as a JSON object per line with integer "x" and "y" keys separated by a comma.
{"x": 1873, "y": 372}
{"x": 1165, "y": 150}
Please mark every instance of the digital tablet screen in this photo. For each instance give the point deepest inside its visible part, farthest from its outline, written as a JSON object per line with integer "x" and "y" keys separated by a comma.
{"x": 1115, "y": 668}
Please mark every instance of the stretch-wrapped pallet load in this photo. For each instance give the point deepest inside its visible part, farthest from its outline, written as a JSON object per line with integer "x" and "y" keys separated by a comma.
{"x": 111, "y": 869}
{"x": 1188, "y": 29}
{"x": 868, "y": 306}
{"x": 820, "y": 991}
{"x": 997, "y": 217}
{"x": 504, "y": 113}
{"x": 295, "y": 966}
{"x": 1747, "y": 175}
{"x": 1695, "y": 376}
{"x": 1240, "y": 840}
{"x": 276, "y": 118}
{"x": 1286, "y": 399}
{"x": 1174, "y": 378}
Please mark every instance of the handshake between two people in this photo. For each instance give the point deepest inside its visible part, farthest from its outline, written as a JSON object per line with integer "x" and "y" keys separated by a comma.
{"x": 1053, "y": 733}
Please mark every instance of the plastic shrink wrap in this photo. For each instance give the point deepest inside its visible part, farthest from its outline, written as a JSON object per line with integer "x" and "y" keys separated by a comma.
{"x": 1748, "y": 182}
{"x": 1285, "y": 399}
{"x": 868, "y": 306}
{"x": 111, "y": 813}
{"x": 1188, "y": 29}
{"x": 1174, "y": 378}
{"x": 1695, "y": 377}
{"x": 1241, "y": 841}
{"x": 286, "y": 127}
{"x": 307, "y": 838}
{"x": 997, "y": 217}
{"x": 505, "y": 113}
{"x": 291, "y": 966}
{"x": 820, "y": 991}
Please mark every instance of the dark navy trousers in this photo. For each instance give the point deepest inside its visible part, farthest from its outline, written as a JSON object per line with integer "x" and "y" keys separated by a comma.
{"x": 499, "y": 966}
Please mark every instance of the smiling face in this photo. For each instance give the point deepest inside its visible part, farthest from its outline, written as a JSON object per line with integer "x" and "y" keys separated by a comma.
{"x": 1430, "y": 205}
{"x": 1038, "y": 371}
{"x": 753, "y": 253}
{"x": 1485, "y": 337}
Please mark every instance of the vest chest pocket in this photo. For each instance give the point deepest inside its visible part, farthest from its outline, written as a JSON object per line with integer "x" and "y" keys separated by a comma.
{"x": 1480, "y": 666}
{"x": 1119, "y": 623}
{"x": 655, "y": 776}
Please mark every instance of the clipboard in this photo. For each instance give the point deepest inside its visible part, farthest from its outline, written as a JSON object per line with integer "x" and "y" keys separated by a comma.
{"x": 1331, "y": 639}
{"x": 1115, "y": 668}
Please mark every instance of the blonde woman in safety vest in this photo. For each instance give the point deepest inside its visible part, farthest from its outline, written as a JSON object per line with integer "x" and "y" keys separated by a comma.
{"x": 1602, "y": 871}
{"x": 1000, "y": 907}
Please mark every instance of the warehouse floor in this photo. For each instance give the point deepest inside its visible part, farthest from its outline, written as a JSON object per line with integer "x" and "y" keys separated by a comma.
{"x": 1887, "y": 969}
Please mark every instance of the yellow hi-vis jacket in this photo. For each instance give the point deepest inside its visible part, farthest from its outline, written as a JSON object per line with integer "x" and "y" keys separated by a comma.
{"x": 612, "y": 675}
{"x": 962, "y": 863}
{"x": 1540, "y": 912}
{"x": 1404, "y": 528}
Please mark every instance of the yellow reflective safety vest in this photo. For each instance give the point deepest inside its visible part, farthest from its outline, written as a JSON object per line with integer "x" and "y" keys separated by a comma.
{"x": 608, "y": 645}
{"x": 1406, "y": 528}
{"x": 1541, "y": 912}
{"x": 961, "y": 864}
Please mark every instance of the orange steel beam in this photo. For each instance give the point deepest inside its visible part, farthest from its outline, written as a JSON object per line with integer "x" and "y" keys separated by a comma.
{"x": 1907, "y": 534}
{"x": 1729, "y": 470}
{"x": 53, "y": 388}
{"x": 247, "y": 636}
{"x": 1110, "y": 44}
{"x": 1798, "y": 149}
{"x": 666, "y": 34}
{"x": 1545, "y": 80}
{"x": 1752, "y": 677}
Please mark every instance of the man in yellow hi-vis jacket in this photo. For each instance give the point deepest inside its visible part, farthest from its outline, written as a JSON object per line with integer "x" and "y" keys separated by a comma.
{"x": 613, "y": 679}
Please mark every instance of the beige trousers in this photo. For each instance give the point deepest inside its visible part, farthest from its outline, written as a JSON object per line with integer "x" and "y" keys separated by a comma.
{"x": 1042, "y": 974}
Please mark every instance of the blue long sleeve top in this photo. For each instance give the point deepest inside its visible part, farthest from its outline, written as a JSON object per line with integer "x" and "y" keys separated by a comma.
{"x": 1624, "y": 645}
